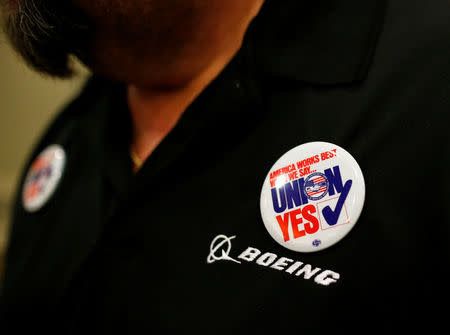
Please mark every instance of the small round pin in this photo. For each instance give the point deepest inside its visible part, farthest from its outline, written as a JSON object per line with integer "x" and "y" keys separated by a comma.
{"x": 312, "y": 197}
{"x": 43, "y": 177}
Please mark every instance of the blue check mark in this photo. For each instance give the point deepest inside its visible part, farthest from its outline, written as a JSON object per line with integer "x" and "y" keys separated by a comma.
{"x": 332, "y": 216}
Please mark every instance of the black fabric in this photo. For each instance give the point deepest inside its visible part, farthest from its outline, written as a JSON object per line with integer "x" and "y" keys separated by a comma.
{"x": 113, "y": 252}
{"x": 323, "y": 42}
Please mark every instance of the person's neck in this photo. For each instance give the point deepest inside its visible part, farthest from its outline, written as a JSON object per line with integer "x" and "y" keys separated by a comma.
{"x": 155, "y": 112}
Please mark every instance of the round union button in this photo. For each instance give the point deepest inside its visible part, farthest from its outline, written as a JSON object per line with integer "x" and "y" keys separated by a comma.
{"x": 43, "y": 177}
{"x": 312, "y": 197}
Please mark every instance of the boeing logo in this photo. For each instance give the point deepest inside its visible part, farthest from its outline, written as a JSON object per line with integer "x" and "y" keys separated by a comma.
{"x": 220, "y": 249}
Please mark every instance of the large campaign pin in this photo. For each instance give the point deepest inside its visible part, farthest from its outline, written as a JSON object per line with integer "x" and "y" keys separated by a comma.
{"x": 43, "y": 177}
{"x": 312, "y": 197}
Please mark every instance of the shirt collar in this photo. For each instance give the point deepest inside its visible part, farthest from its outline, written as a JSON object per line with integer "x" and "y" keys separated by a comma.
{"x": 321, "y": 42}
{"x": 330, "y": 43}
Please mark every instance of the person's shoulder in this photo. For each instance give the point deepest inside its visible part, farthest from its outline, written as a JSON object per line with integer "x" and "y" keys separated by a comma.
{"x": 417, "y": 30}
{"x": 66, "y": 125}
{"x": 419, "y": 13}
{"x": 412, "y": 56}
{"x": 89, "y": 97}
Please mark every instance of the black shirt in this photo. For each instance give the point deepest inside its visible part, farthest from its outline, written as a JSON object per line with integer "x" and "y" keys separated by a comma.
{"x": 115, "y": 252}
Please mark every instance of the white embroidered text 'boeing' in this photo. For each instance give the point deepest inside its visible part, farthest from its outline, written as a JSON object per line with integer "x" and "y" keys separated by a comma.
{"x": 220, "y": 250}
{"x": 218, "y": 244}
